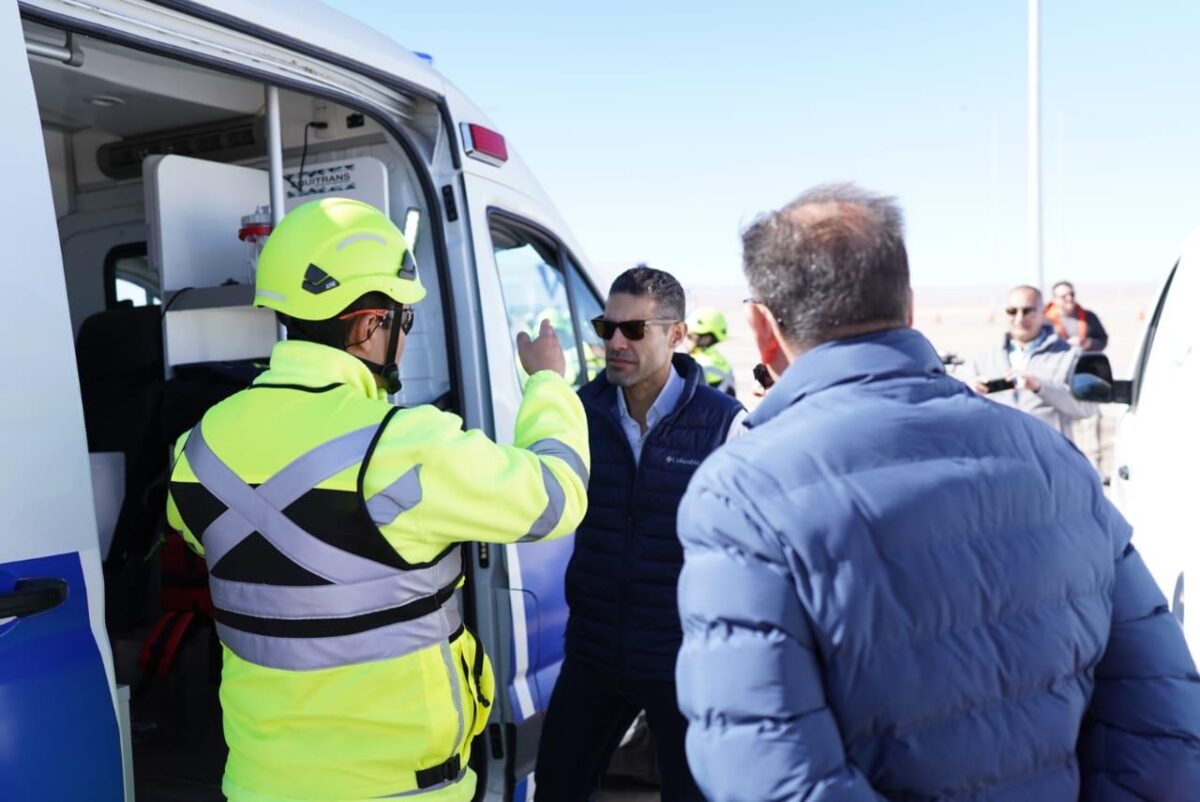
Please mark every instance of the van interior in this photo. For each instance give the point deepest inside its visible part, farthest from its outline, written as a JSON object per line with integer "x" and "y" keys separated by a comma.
{"x": 158, "y": 169}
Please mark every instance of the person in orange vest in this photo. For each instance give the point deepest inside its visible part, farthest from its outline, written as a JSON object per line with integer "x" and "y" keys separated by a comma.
{"x": 1078, "y": 326}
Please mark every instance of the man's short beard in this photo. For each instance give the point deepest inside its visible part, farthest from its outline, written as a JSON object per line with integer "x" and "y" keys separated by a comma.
{"x": 621, "y": 379}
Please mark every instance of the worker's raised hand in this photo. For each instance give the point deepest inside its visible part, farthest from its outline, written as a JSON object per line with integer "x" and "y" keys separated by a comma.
{"x": 544, "y": 353}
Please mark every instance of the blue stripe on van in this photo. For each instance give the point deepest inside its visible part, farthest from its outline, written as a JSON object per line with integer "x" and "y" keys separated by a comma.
{"x": 58, "y": 730}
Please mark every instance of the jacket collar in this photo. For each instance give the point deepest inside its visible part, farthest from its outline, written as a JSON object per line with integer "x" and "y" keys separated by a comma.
{"x": 855, "y": 360}
{"x": 602, "y": 396}
{"x": 312, "y": 365}
{"x": 1050, "y": 339}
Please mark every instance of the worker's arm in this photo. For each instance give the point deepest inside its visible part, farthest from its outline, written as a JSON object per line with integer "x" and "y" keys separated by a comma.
{"x": 174, "y": 519}
{"x": 536, "y": 489}
{"x": 1097, "y": 339}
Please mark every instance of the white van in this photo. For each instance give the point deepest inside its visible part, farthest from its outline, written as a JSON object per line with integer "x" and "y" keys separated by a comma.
{"x": 140, "y": 140}
{"x": 1158, "y": 437}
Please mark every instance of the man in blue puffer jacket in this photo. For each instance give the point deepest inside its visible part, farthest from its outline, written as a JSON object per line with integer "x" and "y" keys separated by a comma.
{"x": 896, "y": 589}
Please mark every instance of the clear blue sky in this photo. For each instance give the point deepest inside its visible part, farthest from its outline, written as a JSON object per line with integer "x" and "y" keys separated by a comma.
{"x": 660, "y": 128}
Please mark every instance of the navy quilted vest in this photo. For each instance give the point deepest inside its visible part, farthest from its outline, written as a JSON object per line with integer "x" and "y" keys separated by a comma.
{"x": 622, "y": 578}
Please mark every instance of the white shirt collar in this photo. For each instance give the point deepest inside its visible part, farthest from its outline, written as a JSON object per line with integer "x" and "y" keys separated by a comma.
{"x": 664, "y": 405}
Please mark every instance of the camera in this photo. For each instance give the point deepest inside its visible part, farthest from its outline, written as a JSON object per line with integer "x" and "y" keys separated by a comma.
{"x": 997, "y": 385}
{"x": 763, "y": 376}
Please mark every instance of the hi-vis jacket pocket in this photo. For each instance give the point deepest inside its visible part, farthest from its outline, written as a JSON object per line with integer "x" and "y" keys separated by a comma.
{"x": 480, "y": 682}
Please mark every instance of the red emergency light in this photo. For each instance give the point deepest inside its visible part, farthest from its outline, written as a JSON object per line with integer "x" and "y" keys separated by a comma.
{"x": 484, "y": 144}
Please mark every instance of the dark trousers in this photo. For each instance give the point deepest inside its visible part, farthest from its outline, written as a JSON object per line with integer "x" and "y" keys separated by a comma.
{"x": 589, "y": 712}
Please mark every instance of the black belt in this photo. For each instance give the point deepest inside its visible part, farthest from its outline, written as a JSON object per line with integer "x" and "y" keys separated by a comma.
{"x": 441, "y": 773}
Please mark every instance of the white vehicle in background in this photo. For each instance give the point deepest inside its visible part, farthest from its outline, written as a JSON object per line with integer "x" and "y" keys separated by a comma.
{"x": 142, "y": 142}
{"x": 1158, "y": 437}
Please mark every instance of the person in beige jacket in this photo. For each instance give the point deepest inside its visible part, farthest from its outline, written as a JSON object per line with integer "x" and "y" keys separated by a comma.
{"x": 1037, "y": 363}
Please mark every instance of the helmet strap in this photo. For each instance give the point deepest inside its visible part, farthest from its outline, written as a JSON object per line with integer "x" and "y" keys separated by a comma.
{"x": 388, "y": 371}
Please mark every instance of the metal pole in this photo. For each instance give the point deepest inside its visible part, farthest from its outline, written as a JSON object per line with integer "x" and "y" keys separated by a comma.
{"x": 1035, "y": 150}
{"x": 1060, "y": 174}
{"x": 994, "y": 192}
{"x": 275, "y": 155}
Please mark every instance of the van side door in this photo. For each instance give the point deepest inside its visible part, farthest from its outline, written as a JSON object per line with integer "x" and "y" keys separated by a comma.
{"x": 58, "y": 712}
{"x": 523, "y": 274}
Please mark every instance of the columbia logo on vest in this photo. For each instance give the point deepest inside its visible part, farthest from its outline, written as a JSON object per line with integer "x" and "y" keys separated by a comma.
{"x": 695, "y": 463}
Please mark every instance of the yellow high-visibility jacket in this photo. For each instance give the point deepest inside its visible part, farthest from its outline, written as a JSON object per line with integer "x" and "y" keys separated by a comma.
{"x": 331, "y": 522}
{"x": 717, "y": 370}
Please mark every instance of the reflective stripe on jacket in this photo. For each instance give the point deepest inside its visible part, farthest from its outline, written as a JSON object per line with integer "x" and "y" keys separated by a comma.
{"x": 330, "y": 521}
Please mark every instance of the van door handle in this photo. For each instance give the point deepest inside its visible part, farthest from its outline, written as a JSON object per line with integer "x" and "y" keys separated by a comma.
{"x": 1123, "y": 472}
{"x": 32, "y": 596}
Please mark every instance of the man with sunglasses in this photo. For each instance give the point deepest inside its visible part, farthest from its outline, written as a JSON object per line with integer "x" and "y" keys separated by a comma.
{"x": 1036, "y": 364}
{"x": 652, "y": 419}
{"x": 331, "y": 522}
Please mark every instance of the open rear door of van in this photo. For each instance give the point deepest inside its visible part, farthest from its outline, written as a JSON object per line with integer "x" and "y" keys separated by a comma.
{"x": 58, "y": 716}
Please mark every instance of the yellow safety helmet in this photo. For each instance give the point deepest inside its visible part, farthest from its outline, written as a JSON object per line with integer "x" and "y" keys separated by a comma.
{"x": 328, "y": 253}
{"x": 707, "y": 320}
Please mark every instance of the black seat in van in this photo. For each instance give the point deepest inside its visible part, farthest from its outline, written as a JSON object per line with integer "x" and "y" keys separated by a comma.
{"x": 119, "y": 354}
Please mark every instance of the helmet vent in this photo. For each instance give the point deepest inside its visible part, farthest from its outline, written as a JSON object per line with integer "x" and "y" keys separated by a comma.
{"x": 318, "y": 281}
{"x": 408, "y": 267}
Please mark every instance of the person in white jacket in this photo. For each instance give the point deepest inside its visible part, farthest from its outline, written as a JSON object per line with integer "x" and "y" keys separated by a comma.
{"x": 1035, "y": 363}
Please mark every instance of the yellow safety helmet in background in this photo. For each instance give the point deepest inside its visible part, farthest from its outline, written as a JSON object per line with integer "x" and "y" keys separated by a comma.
{"x": 328, "y": 253}
{"x": 706, "y": 320}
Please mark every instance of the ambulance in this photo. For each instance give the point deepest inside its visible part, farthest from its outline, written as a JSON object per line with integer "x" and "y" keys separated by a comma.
{"x": 149, "y": 147}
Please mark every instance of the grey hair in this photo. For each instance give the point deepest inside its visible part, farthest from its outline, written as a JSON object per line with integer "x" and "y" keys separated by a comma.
{"x": 658, "y": 285}
{"x": 829, "y": 264}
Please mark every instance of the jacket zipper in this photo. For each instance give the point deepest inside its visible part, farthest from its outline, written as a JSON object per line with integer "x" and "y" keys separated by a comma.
{"x": 630, "y": 522}
{"x": 630, "y": 509}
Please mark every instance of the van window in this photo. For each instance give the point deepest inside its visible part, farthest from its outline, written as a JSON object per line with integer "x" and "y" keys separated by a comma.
{"x": 128, "y": 278}
{"x": 534, "y": 287}
{"x": 588, "y": 306}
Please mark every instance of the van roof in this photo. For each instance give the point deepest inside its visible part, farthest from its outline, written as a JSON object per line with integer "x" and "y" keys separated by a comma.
{"x": 334, "y": 34}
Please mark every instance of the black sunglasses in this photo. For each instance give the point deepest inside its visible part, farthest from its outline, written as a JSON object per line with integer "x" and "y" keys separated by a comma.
{"x": 1027, "y": 310}
{"x": 386, "y": 316}
{"x": 632, "y": 329}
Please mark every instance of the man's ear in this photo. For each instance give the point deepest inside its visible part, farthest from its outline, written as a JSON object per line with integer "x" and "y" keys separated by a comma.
{"x": 678, "y": 335}
{"x": 359, "y": 332}
{"x": 768, "y": 338}
{"x": 912, "y": 307}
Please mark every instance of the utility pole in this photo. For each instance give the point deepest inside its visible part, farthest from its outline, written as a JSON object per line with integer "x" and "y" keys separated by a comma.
{"x": 1035, "y": 148}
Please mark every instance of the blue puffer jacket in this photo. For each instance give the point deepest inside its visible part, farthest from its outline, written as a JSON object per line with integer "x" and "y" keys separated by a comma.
{"x": 896, "y": 589}
{"x": 623, "y": 576}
